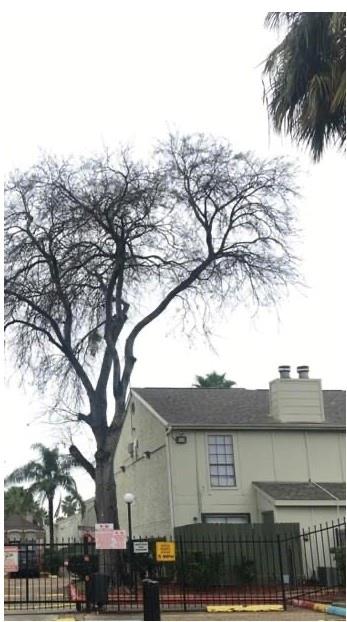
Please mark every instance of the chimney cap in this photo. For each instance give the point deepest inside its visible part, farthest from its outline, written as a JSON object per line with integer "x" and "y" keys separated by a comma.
{"x": 303, "y": 371}
{"x": 284, "y": 371}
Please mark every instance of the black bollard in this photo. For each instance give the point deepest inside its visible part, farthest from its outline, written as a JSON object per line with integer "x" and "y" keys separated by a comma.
{"x": 151, "y": 604}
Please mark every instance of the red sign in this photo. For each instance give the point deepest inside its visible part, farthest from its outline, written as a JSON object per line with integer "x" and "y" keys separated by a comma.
{"x": 11, "y": 559}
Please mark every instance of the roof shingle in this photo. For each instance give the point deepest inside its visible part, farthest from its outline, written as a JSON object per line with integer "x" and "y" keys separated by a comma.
{"x": 191, "y": 406}
{"x": 302, "y": 491}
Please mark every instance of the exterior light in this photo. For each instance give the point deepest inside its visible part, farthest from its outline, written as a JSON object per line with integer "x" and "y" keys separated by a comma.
{"x": 129, "y": 498}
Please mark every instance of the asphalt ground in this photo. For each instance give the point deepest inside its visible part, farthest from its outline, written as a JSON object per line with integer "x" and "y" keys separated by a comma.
{"x": 292, "y": 613}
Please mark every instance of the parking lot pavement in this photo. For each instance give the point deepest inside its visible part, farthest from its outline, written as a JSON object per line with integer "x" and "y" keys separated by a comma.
{"x": 291, "y": 614}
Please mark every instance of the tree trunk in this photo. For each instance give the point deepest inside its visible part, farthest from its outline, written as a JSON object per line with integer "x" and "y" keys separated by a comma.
{"x": 105, "y": 487}
{"x": 106, "y": 503}
{"x": 51, "y": 521}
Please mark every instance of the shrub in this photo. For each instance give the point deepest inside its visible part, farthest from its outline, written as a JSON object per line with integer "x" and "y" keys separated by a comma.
{"x": 199, "y": 570}
{"x": 245, "y": 571}
{"x": 339, "y": 553}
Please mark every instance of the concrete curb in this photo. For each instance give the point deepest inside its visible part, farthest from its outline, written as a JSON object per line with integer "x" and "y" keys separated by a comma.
{"x": 332, "y": 609}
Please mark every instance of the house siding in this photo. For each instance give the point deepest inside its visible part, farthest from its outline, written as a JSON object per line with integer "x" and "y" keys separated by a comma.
{"x": 259, "y": 455}
{"x": 146, "y": 478}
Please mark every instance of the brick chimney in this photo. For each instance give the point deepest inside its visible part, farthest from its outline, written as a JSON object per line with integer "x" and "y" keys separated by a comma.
{"x": 296, "y": 400}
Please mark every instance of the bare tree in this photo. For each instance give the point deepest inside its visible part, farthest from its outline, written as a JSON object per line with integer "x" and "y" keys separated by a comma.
{"x": 86, "y": 243}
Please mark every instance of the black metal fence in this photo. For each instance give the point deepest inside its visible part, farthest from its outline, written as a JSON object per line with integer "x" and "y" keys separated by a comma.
{"x": 207, "y": 571}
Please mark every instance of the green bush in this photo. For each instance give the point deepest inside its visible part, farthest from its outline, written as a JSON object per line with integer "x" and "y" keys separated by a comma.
{"x": 340, "y": 559}
{"x": 245, "y": 571}
{"x": 83, "y": 565}
{"x": 53, "y": 560}
{"x": 199, "y": 570}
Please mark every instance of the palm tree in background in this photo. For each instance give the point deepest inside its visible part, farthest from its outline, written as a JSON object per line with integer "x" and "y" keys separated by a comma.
{"x": 70, "y": 505}
{"x": 213, "y": 381}
{"x": 48, "y": 474}
{"x": 305, "y": 79}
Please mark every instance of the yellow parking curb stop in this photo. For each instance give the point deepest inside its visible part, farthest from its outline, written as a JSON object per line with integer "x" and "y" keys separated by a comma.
{"x": 255, "y": 608}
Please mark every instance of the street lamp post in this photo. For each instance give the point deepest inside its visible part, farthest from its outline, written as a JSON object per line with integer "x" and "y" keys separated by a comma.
{"x": 129, "y": 498}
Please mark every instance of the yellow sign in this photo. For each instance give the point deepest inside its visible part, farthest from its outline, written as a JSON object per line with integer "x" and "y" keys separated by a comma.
{"x": 165, "y": 551}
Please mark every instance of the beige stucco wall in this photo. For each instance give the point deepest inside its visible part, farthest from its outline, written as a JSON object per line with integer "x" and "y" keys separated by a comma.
{"x": 310, "y": 517}
{"x": 259, "y": 456}
{"x": 146, "y": 478}
{"x": 67, "y": 528}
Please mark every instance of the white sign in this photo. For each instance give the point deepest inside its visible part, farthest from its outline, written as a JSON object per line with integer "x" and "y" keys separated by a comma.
{"x": 11, "y": 559}
{"x": 140, "y": 546}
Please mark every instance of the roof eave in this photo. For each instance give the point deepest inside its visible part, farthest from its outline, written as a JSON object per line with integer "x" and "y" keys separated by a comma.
{"x": 251, "y": 426}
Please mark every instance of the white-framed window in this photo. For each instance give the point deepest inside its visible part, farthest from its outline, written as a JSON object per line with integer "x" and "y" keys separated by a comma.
{"x": 221, "y": 460}
{"x": 227, "y": 519}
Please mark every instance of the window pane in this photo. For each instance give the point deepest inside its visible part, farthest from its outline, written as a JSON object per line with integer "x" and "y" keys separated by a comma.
{"x": 221, "y": 460}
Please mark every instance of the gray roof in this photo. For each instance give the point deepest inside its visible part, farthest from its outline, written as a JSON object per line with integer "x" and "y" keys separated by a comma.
{"x": 15, "y": 521}
{"x": 190, "y": 406}
{"x": 302, "y": 491}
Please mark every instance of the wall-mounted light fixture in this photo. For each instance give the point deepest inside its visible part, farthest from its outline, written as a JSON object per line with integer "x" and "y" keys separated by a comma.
{"x": 180, "y": 439}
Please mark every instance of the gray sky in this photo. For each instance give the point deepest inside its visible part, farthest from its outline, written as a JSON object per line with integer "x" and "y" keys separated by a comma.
{"x": 81, "y": 75}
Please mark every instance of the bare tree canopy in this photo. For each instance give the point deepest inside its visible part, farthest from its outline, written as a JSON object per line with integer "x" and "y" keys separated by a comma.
{"x": 86, "y": 243}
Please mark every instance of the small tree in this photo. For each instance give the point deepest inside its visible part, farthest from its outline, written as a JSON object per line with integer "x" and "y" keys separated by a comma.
{"x": 87, "y": 245}
{"x": 47, "y": 474}
{"x": 213, "y": 381}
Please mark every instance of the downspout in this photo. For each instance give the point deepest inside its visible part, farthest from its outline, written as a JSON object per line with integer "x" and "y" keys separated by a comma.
{"x": 337, "y": 500}
{"x": 169, "y": 464}
{"x": 198, "y": 496}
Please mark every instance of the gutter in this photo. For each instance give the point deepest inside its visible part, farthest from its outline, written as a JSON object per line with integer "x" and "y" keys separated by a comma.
{"x": 250, "y": 426}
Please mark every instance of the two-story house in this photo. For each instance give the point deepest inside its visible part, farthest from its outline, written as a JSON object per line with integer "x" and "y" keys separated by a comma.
{"x": 192, "y": 455}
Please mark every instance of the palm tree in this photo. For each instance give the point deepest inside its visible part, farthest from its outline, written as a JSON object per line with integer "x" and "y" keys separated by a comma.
{"x": 213, "y": 381}
{"x": 71, "y": 504}
{"x": 305, "y": 76}
{"x": 49, "y": 473}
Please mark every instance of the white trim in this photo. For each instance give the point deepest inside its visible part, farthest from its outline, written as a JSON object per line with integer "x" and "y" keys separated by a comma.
{"x": 308, "y": 502}
{"x": 150, "y": 408}
{"x": 236, "y": 486}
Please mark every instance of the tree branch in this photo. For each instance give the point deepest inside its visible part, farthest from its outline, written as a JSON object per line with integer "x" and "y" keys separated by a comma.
{"x": 82, "y": 461}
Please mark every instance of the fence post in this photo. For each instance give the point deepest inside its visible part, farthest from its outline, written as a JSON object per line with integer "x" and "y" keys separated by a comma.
{"x": 281, "y": 571}
{"x": 27, "y": 575}
{"x": 151, "y": 603}
{"x": 183, "y": 571}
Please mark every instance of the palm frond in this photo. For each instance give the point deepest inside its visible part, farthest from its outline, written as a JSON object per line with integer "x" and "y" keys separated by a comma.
{"x": 305, "y": 73}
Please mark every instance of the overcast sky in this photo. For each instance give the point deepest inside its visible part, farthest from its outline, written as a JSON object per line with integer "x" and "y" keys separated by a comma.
{"x": 81, "y": 75}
